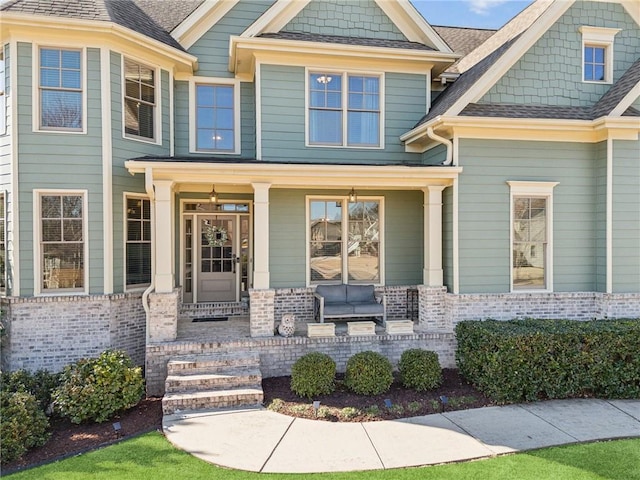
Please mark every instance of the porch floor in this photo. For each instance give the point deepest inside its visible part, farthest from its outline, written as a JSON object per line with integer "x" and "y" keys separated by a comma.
{"x": 237, "y": 327}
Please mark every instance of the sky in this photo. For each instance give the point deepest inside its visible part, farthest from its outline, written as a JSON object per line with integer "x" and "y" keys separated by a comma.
{"x": 470, "y": 13}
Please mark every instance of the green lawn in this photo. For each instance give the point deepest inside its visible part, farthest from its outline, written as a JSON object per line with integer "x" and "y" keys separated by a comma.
{"x": 151, "y": 457}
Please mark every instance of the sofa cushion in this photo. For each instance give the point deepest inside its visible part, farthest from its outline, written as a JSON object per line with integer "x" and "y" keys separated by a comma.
{"x": 367, "y": 308}
{"x": 337, "y": 309}
{"x": 360, "y": 293}
{"x": 332, "y": 293}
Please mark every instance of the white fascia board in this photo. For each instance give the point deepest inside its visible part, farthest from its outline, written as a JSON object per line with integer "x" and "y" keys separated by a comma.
{"x": 200, "y": 21}
{"x": 626, "y": 102}
{"x": 274, "y": 19}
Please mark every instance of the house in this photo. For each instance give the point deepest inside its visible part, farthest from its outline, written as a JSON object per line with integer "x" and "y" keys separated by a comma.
{"x": 164, "y": 161}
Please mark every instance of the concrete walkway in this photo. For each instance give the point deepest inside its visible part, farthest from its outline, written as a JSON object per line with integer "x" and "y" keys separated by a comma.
{"x": 263, "y": 441}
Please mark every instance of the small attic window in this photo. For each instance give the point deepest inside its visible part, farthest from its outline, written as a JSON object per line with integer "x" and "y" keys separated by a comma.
{"x": 597, "y": 54}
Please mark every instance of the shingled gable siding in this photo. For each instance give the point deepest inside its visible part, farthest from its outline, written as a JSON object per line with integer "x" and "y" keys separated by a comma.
{"x": 550, "y": 73}
{"x": 97, "y": 322}
{"x": 403, "y": 234}
{"x": 59, "y": 161}
{"x": 283, "y": 118}
{"x": 351, "y": 19}
{"x": 124, "y": 149}
{"x": 601, "y": 216}
{"x": 626, "y": 216}
{"x": 484, "y": 211}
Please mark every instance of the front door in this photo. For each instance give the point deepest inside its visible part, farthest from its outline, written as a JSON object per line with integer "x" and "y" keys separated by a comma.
{"x": 217, "y": 279}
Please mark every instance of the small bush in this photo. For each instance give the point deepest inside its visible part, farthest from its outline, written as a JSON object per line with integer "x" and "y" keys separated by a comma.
{"x": 96, "y": 389}
{"x": 420, "y": 369}
{"x": 23, "y": 425}
{"x": 313, "y": 374}
{"x": 40, "y": 384}
{"x": 368, "y": 373}
{"x": 527, "y": 360}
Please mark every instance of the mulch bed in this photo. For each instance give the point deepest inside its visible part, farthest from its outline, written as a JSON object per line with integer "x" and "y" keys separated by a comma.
{"x": 68, "y": 439}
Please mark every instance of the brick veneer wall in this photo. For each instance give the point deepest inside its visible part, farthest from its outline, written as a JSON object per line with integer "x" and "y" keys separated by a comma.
{"x": 277, "y": 354}
{"x": 51, "y": 332}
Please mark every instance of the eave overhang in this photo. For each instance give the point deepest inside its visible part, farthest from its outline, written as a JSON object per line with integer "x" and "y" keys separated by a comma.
{"x": 497, "y": 128}
{"x": 287, "y": 175}
{"x": 95, "y": 34}
{"x": 244, "y": 52}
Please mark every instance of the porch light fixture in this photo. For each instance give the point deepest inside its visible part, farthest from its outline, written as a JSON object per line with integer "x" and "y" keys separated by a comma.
{"x": 324, "y": 79}
{"x": 353, "y": 196}
{"x": 213, "y": 195}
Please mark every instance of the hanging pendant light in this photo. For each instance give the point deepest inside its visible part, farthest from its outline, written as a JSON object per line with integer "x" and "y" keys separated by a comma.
{"x": 213, "y": 195}
{"x": 353, "y": 196}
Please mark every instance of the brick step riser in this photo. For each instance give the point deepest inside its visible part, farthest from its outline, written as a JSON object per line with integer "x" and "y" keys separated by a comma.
{"x": 185, "y": 384}
{"x": 209, "y": 366}
{"x": 171, "y": 406}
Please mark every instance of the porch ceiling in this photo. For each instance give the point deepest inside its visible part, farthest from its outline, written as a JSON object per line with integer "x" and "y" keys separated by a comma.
{"x": 295, "y": 175}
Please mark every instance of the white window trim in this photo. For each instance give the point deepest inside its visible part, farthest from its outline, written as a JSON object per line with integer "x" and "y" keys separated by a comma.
{"x": 193, "y": 123}
{"x": 345, "y": 234}
{"x": 599, "y": 37}
{"x": 157, "y": 114}
{"x": 37, "y": 251}
{"x": 125, "y": 195}
{"x": 35, "y": 88}
{"x": 344, "y": 74}
{"x": 533, "y": 189}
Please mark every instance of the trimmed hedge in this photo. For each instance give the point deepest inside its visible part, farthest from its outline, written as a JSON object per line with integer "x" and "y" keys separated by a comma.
{"x": 527, "y": 360}
{"x": 313, "y": 374}
{"x": 23, "y": 425}
{"x": 40, "y": 384}
{"x": 368, "y": 373}
{"x": 420, "y": 369}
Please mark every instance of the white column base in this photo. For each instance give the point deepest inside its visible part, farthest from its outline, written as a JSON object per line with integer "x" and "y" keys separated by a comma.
{"x": 261, "y": 280}
{"x": 433, "y": 278}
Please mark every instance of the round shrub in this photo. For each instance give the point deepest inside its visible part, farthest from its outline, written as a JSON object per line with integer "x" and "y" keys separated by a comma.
{"x": 368, "y": 373}
{"x": 420, "y": 369}
{"x": 23, "y": 425}
{"x": 40, "y": 384}
{"x": 313, "y": 374}
{"x": 95, "y": 389}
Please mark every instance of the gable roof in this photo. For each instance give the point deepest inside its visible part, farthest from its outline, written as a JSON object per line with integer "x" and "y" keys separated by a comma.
{"x": 463, "y": 40}
{"x": 125, "y": 13}
{"x": 367, "y": 42}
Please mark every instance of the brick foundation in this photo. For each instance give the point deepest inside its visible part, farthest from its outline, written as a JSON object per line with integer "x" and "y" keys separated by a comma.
{"x": 51, "y": 332}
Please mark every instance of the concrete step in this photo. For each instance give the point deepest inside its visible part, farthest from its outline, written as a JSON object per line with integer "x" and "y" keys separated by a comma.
{"x": 223, "y": 378}
{"x": 191, "y": 364}
{"x": 234, "y": 397}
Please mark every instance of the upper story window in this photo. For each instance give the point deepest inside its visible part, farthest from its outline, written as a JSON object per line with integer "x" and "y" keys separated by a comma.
{"x": 62, "y": 246}
{"x": 60, "y": 88}
{"x": 215, "y": 118}
{"x": 531, "y": 235}
{"x": 597, "y": 54}
{"x": 139, "y": 100}
{"x": 344, "y": 110}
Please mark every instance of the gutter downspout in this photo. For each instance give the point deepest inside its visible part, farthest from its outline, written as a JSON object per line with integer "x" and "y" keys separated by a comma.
{"x": 445, "y": 142}
{"x": 148, "y": 185}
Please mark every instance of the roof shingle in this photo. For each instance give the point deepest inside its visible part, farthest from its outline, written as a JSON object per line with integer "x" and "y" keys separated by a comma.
{"x": 358, "y": 41}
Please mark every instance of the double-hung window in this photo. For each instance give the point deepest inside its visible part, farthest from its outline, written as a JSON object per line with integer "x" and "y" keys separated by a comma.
{"x": 138, "y": 243}
{"x": 60, "y": 89}
{"x": 531, "y": 235}
{"x": 62, "y": 242}
{"x": 344, "y": 109}
{"x": 215, "y": 118}
{"x": 344, "y": 244}
{"x": 139, "y": 100}
{"x": 597, "y": 54}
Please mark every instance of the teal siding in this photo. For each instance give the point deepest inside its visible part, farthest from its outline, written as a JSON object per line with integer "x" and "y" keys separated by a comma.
{"x": 335, "y": 17}
{"x": 60, "y": 161}
{"x": 601, "y": 215}
{"x": 447, "y": 237}
{"x": 212, "y": 49}
{"x": 626, "y": 216}
{"x": 435, "y": 156}
{"x": 550, "y": 73}
{"x": 484, "y": 211}
{"x": 123, "y": 150}
{"x": 283, "y": 118}
{"x": 403, "y": 224}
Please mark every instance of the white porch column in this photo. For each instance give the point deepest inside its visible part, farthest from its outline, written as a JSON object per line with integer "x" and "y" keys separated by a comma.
{"x": 261, "y": 235}
{"x": 432, "y": 275}
{"x": 163, "y": 236}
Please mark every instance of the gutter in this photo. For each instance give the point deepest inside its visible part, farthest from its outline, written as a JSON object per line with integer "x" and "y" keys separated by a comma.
{"x": 443, "y": 141}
